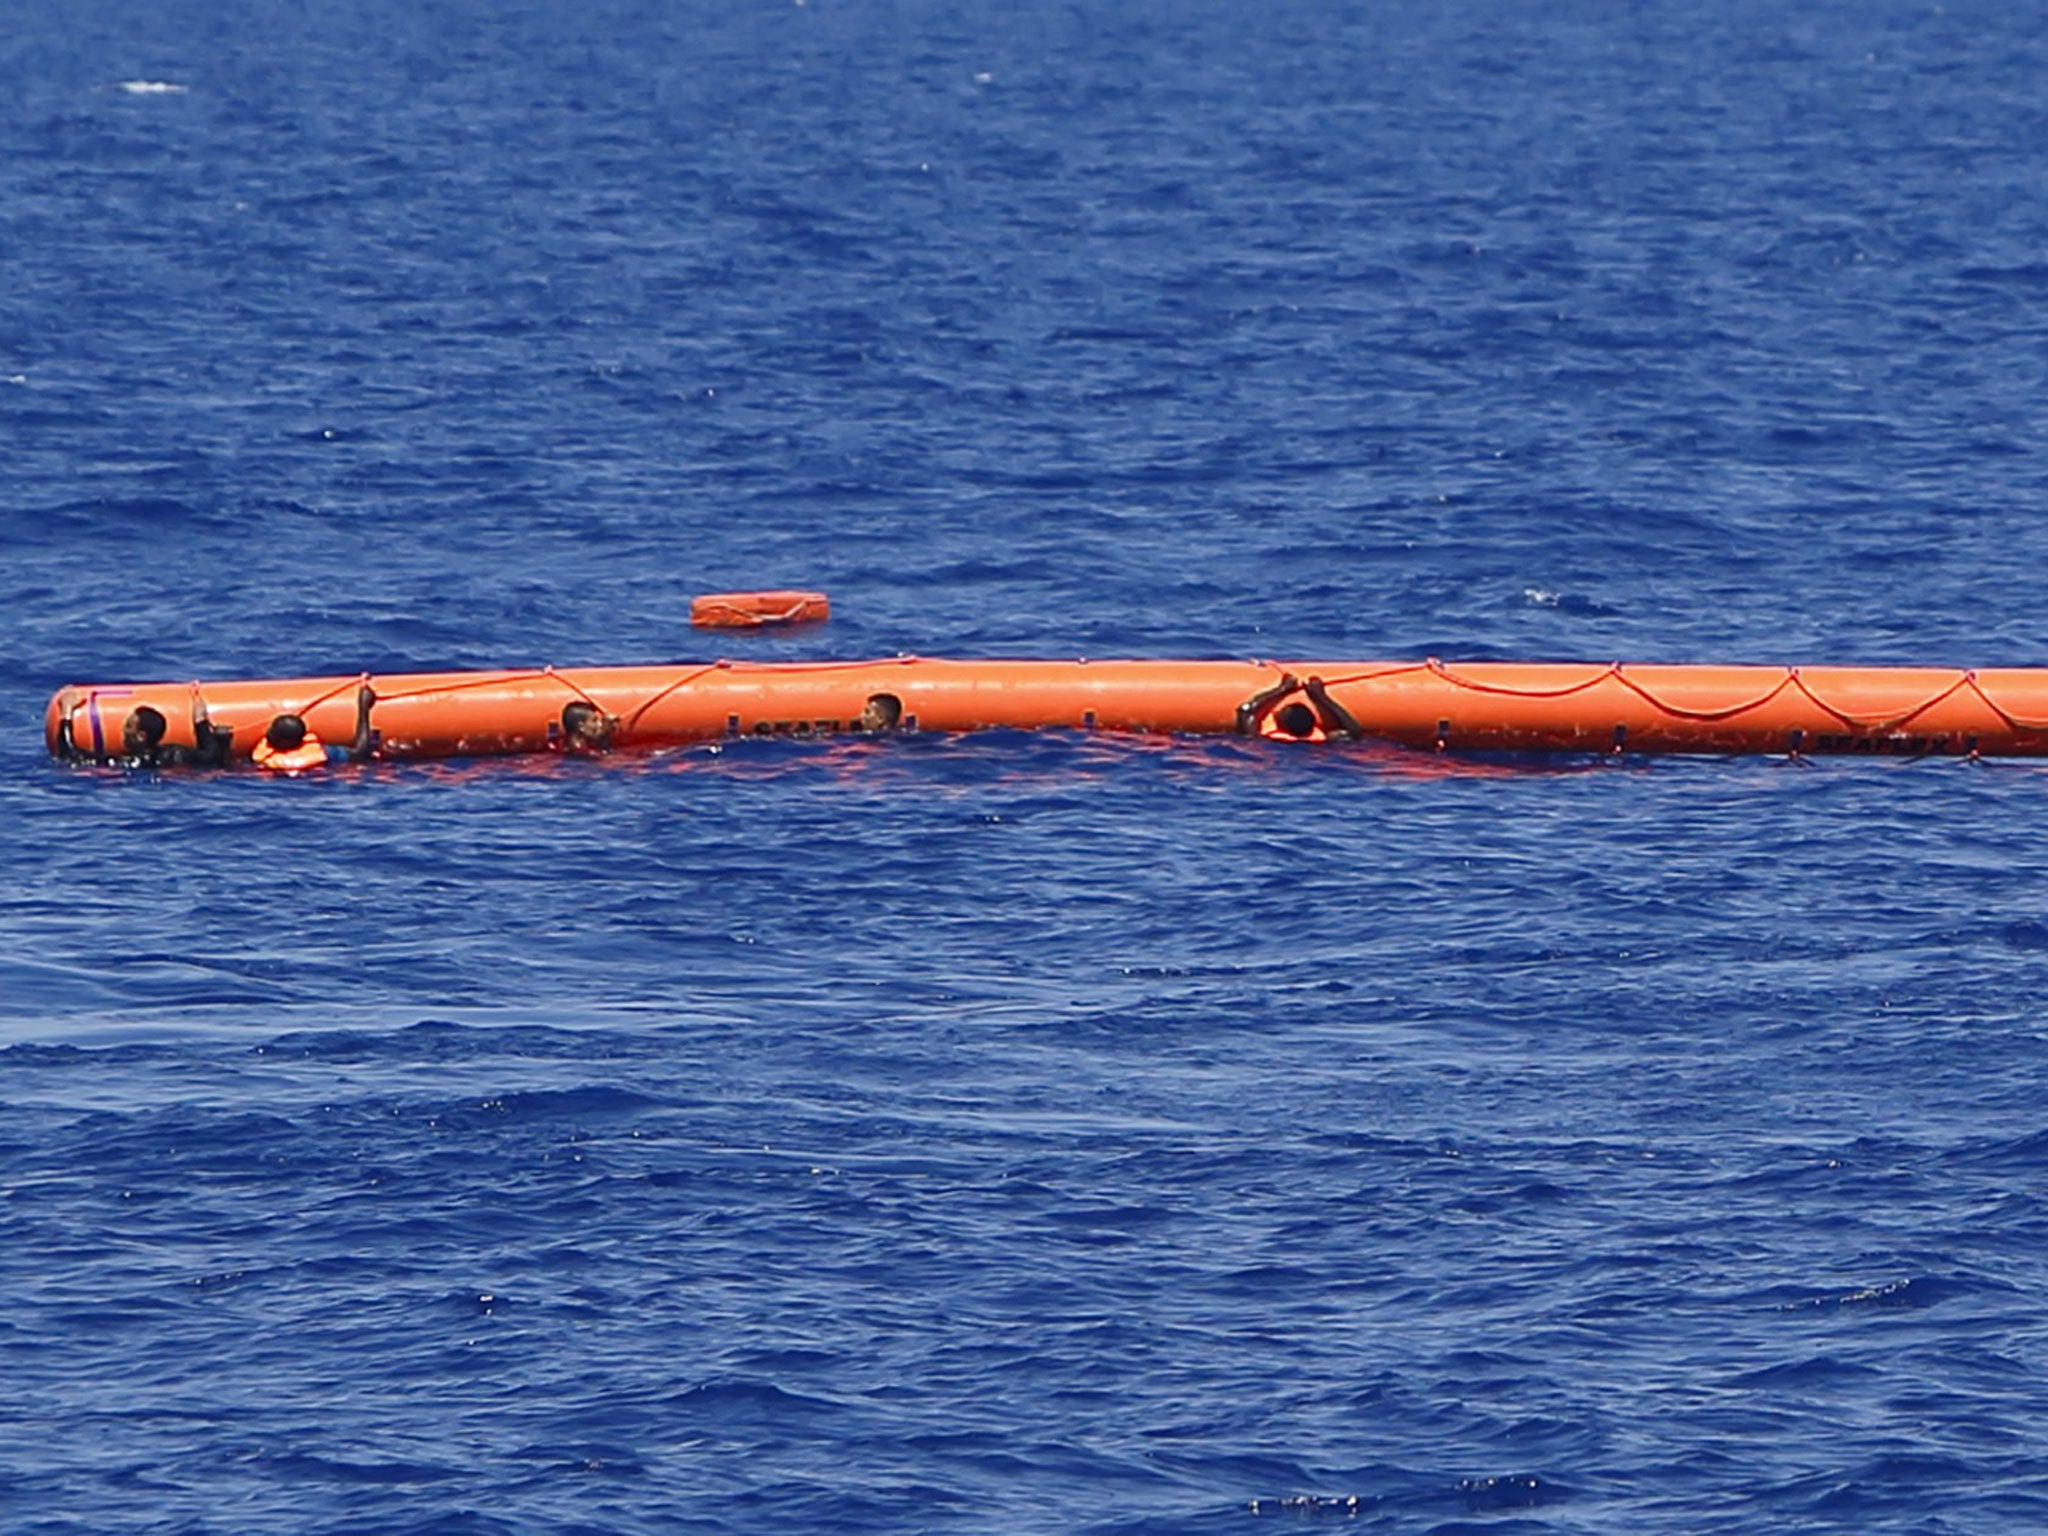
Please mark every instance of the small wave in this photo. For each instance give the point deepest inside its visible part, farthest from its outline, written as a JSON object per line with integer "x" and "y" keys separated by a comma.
{"x": 2031, "y": 274}
{"x": 1522, "y": 1490}
{"x": 1492, "y": 1202}
{"x": 1908, "y": 1292}
{"x": 1565, "y": 602}
{"x": 1812, "y": 1371}
{"x": 1480, "y": 1495}
{"x": 589, "y": 1100}
{"x": 746, "y": 1398}
{"x": 2025, "y": 1154}
{"x": 131, "y": 519}
{"x": 2027, "y": 933}
{"x": 152, "y": 88}
{"x": 1347, "y": 1505}
{"x": 580, "y": 1458}
{"x": 444, "y": 1040}
{"x": 303, "y": 1466}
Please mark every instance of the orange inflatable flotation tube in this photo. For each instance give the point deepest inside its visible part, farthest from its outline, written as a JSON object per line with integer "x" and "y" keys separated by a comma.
{"x": 1434, "y": 705}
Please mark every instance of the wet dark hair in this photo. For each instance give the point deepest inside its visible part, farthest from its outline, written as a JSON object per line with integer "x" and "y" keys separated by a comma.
{"x": 584, "y": 721}
{"x": 149, "y": 723}
{"x": 888, "y": 706}
{"x": 1295, "y": 719}
{"x": 286, "y": 732}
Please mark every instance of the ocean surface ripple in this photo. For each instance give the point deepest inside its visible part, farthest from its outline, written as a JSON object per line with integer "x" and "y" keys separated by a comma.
{"x": 1023, "y": 1133}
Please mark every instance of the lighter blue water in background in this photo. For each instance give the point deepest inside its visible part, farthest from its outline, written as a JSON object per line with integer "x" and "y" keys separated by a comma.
{"x": 1022, "y": 1134}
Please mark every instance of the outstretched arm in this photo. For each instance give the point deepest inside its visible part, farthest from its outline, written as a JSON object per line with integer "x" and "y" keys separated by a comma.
{"x": 1255, "y": 708}
{"x": 210, "y": 742}
{"x": 67, "y": 749}
{"x": 365, "y": 744}
{"x": 1335, "y": 716}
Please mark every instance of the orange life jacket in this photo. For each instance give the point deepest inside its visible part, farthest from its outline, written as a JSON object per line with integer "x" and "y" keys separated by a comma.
{"x": 307, "y": 754}
{"x": 1270, "y": 729}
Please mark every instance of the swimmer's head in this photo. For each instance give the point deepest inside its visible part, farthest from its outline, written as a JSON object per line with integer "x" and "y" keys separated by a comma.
{"x": 585, "y": 727}
{"x": 882, "y": 712}
{"x": 1295, "y": 719}
{"x": 287, "y": 733}
{"x": 143, "y": 730}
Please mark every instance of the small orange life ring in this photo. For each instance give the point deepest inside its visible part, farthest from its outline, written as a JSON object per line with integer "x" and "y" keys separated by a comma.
{"x": 755, "y": 610}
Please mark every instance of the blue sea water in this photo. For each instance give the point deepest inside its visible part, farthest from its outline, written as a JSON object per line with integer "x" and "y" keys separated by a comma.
{"x": 1022, "y": 1133}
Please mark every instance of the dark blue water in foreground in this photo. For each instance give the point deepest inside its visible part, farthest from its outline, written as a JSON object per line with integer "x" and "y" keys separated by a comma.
{"x": 1024, "y": 1134}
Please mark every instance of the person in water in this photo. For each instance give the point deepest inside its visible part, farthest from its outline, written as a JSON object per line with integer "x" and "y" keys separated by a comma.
{"x": 1318, "y": 719}
{"x": 586, "y": 729}
{"x": 882, "y": 712}
{"x": 290, "y": 747}
{"x": 143, "y": 744}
